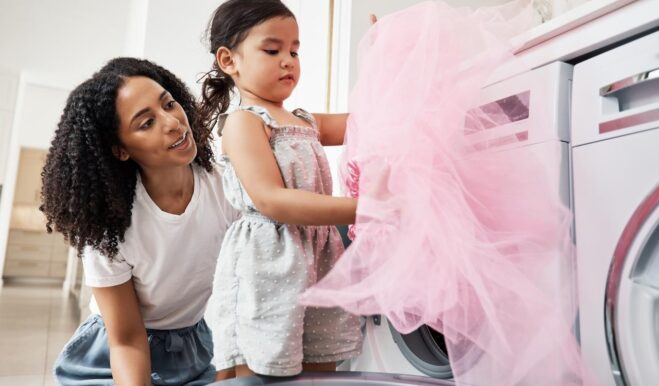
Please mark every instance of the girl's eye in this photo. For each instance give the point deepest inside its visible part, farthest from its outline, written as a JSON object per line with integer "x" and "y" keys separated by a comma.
{"x": 147, "y": 124}
{"x": 169, "y": 105}
{"x": 271, "y": 52}
{"x": 294, "y": 54}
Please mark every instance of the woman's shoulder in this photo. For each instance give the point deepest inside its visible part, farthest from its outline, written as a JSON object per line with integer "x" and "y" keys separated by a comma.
{"x": 211, "y": 180}
{"x": 213, "y": 183}
{"x": 205, "y": 176}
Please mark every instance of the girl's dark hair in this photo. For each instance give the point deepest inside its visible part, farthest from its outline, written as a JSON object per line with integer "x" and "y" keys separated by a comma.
{"x": 87, "y": 192}
{"x": 228, "y": 28}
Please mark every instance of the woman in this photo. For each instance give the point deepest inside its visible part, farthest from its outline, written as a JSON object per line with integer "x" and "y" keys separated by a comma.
{"x": 131, "y": 183}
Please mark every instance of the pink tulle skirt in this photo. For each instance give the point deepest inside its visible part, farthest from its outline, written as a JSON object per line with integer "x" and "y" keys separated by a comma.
{"x": 453, "y": 234}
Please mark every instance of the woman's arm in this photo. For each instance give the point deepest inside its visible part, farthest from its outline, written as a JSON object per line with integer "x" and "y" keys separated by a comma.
{"x": 245, "y": 142}
{"x": 129, "y": 350}
{"x": 332, "y": 128}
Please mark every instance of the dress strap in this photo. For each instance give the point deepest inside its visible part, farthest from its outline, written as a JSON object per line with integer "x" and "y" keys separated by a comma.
{"x": 262, "y": 112}
{"x": 307, "y": 116}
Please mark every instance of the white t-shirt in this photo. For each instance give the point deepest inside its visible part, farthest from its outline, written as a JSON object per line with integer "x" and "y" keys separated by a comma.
{"x": 171, "y": 258}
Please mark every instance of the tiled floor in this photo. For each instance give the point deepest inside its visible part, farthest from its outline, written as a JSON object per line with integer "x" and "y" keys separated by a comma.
{"x": 35, "y": 323}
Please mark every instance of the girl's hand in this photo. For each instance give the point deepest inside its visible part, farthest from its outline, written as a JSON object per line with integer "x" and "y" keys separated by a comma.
{"x": 352, "y": 183}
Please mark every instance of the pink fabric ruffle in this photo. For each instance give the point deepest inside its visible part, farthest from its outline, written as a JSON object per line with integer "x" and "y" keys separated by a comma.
{"x": 461, "y": 236}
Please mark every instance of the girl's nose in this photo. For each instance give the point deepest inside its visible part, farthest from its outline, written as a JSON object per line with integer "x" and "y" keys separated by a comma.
{"x": 287, "y": 63}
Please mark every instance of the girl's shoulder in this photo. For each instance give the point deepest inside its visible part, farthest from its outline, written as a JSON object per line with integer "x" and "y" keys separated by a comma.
{"x": 249, "y": 116}
{"x": 269, "y": 119}
{"x": 240, "y": 118}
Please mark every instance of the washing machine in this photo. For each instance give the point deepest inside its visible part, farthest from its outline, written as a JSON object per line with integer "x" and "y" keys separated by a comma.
{"x": 537, "y": 105}
{"x": 615, "y": 149}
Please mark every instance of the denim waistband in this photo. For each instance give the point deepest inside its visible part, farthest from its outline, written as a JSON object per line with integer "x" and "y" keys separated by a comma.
{"x": 173, "y": 338}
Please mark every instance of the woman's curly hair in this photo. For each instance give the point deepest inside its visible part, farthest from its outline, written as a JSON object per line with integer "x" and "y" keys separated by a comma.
{"x": 87, "y": 192}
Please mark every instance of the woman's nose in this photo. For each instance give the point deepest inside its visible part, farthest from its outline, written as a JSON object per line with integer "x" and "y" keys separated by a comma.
{"x": 171, "y": 122}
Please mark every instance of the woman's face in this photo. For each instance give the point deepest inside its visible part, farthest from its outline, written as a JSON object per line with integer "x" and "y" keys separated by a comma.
{"x": 153, "y": 128}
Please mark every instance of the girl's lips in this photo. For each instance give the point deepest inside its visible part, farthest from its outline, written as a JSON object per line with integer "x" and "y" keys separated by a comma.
{"x": 287, "y": 80}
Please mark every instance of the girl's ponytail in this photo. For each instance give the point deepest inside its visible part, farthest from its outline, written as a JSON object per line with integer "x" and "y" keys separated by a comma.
{"x": 216, "y": 90}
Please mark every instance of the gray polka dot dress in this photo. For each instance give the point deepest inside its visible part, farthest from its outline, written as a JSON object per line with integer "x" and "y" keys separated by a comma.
{"x": 264, "y": 266}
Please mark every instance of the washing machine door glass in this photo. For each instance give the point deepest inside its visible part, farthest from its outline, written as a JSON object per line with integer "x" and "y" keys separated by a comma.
{"x": 632, "y": 298}
{"x": 426, "y": 350}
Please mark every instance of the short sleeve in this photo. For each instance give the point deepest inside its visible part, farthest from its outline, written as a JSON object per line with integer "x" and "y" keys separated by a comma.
{"x": 100, "y": 271}
{"x": 230, "y": 213}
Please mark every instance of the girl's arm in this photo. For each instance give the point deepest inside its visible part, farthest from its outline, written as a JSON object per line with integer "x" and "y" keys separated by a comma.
{"x": 332, "y": 128}
{"x": 245, "y": 142}
{"x": 129, "y": 350}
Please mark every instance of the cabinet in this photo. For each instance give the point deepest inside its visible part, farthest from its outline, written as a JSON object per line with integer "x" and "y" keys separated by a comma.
{"x": 35, "y": 254}
{"x": 28, "y": 178}
{"x": 31, "y": 251}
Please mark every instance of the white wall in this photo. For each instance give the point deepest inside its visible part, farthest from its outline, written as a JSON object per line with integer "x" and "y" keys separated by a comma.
{"x": 8, "y": 82}
{"x": 66, "y": 39}
{"x": 135, "y": 36}
{"x": 174, "y": 33}
{"x": 62, "y": 41}
{"x": 313, "y": 20}
{"x": 39, "y": 113}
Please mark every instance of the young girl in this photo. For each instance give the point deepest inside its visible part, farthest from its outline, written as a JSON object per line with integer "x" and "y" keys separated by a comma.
{"x": 277, "y": 175}
{"x": 130, "y": 181}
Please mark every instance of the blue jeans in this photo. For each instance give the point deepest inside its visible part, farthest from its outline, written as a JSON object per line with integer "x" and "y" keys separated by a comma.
{"x": 178, "y": 357}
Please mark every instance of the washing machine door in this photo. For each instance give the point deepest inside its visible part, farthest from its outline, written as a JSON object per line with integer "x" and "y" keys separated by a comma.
{"x": 632, "y": 298}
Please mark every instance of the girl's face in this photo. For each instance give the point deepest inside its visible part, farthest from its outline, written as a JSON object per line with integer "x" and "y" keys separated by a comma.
{"x": 153, "y": 128}
{"x": 266, "y": 63}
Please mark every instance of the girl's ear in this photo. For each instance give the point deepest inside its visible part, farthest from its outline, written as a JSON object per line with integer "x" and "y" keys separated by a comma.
{"x": 120, "y": 153}
{"x": 225, "y": 61}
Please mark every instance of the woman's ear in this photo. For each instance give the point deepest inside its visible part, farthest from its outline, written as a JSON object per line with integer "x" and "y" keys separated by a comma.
{"x": 225, "y": 61}
{"x": 120, "y": 153}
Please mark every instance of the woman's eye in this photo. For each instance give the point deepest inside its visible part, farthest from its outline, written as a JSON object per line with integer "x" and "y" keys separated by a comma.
{"x": 271, "y": 52}
{"x": 147, "y": 123}
{"x": 170, "y": 104}
{"x": 294, "y": 54}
